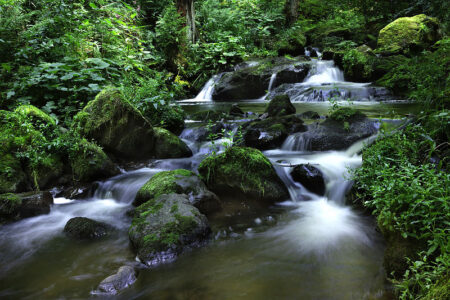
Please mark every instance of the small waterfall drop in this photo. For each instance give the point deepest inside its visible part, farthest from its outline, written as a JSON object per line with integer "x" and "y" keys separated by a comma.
{"x": 325, "y": 72}
{"x": 207, "y": 91}
{"x": 272, "y": 80}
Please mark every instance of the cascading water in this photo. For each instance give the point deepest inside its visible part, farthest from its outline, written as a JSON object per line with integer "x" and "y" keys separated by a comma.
{"x": 207, "y": 91}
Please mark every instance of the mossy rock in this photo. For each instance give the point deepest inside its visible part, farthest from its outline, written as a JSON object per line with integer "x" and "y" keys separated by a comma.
{"x": 270, "y": 133}
{"x": 36, "y": 116}
{"x": 12, "y": 177}
{"x": 85, "y": 229}
{"x": 116, "y": 125}
{"x": 164, "y": 227}
{"x": 168, "y": 117}
{"x": 440, "y": 290}
{"x": 9, "y": 206}
{"x": 244, "y": 172}
{"x": 280, "y": 105}
{"x": 168, "y": 145}
{"x": 90, "y": 163}
{"x": 408, "y": 35}
{"x": 49, "y": 168}
{"x": 358, "y": 64}
{"x": 14, "y": 207}
{"x": 179, "y": 182}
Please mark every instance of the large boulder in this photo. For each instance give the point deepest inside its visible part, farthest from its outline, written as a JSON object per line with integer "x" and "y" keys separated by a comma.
{"x": 168, "y": 145}
{"x": 85, "y": 229}
{"x": 310, "y": 177}
{"x": 111, "y": 285}
{"x": 164, "y": 227}
{"x": 270, "y": 133}
{"x": 116, "y": 125}
{"x": 89, "y": 163}
{"x": 343, "y": 128}
{"x": 253, "y": 82}
{"x": 280, "y": 106}
{"x": 243, "y": 172}
{"x": 14, "y": 207}
{"x": 408, "y": 35}
{"x": 36, "y": 116}
{"x": 179, "y": 182}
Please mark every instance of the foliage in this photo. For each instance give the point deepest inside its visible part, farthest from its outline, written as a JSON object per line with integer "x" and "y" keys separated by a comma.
{"x": 408, "y": 193}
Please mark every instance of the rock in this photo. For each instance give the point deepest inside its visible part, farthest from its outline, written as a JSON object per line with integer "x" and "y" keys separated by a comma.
{"x": 280, "y": 106}
{"x": 208, "y": 115}
{"x": 358, "y": 64}
{"x": 202, "y": 132}
{"x": 90, "y": 163}
{"x": 168, "y": 145}
{"x": 85, "y": 229}
{"x": 408, "y": 35}
{"x": 170, "y": 117}
{"x": 12, "y": 177}
{"x": 253, "y": 82}
{"x": 270, "y": 133}
{"x": 244, "y": 172}
{"x": 164, "y": 227}
{"x": 312, "y": 52}
{"x": 327, "y": 55}
{"x": 14, "y": 207}
{"x": 117, "y": 126}
{"x": 310, "y": 177}
{"x": 179, "y": 182}
{"x": 338, "y": 132}
{"x": 49, "y": 168}
{"x": 310, "y": 115}
{"x": 235, "y": 110}
{"x": 119, "y": 281}
{"x": 36, "y": 116}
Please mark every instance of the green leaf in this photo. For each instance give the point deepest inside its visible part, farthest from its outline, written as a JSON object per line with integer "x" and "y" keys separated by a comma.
{"x": 92, "y": 5}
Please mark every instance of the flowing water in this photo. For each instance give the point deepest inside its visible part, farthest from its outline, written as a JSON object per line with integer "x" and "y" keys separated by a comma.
{"x": 307, "y": 247}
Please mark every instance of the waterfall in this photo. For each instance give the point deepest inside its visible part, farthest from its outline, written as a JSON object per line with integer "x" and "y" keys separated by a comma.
{"x": 207, "y": 91}
{"x": 272, "y": 80}
{"x": 325, "y": 72}
{"x": 296, "y": 142}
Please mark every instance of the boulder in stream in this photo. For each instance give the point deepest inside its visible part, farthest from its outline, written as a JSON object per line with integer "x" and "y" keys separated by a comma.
{"x": 85, "y": 229}
{"x": 244, "y": 172}
{"x": 271, "y": 132}
{"x": 14, "y": 207}
{"x": 166, "y": 226}
{"x": 279, "y": 106}
{"x": 111, "y": 285}
{"x": 168, "y": 145}
{"x": 179, "y": 182}
{"x": 310, "y": 177}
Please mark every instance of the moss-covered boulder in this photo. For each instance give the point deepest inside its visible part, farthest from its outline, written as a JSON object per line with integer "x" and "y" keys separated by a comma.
{"x": 408, "y": 35}
{"x": 12, "y": 177}
{"x": 116, "y": 125}
{"x": 164, "y": 227}
{"x": 280, "y": 105}
{"x": 342, "y": 128}
{"x": 358, "y": 64}
{"x": 85, "y": 229}
{"x": 168, "y": 145}
{"x": 270, "y": 133}
{"x": 243, "y": 172}
{"x": 46, "y": 170}
{"x": 36, "y": 116}
{"x": 179, "y": 182}
{"x": 14, "y": 207}
{"x": 89, "y": 162}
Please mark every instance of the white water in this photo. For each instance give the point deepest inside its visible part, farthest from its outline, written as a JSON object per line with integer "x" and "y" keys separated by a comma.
{"x": 272, "y": 80}
{"x": 207, "y": 91}
{"x": 324, "y": 72}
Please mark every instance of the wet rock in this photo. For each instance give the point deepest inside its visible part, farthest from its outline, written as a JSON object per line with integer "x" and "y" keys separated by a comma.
{"x": 85, "y": 229}
{"x": 14, "y": 207}
{"x": 310, "y": 177}
{"x": 280, "y": 106}
{"x": 117, "y": 126}
{"x": 312, "y": 115}
{"x": 243, "y": 171}
{"x": 201, "y": 133}
{"x": 338, "y": 134}
{"x": 327, "y": 55}
{"x": 179, "y": 182}
{"x": 90, "y": 163}
{"x": 292, "y": 74}
{"x": 168, "y": 145}
{"x": 125, "y": 277}
{"x": 408, "y": 35}
{"x": 235, "y": 110}
{"x": 165, "y": 227}
{"x": 270, "y": 133}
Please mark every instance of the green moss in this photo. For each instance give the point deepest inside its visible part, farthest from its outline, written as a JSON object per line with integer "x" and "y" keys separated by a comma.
{"x": 162, "y": 183}
{"x": 358, "y": 63}
{"x": 408, "y": 34}
{"x": 280, "y": 106}
{"x": 167, "y": 117}
{"x": 440, "y": 290}
{"x": 37, "y": 116}
{"x": 168, "y": 145}
{"x": 345, "y": 114}
{"x": 291, "y": 41}
{"x": 9, "y": 203}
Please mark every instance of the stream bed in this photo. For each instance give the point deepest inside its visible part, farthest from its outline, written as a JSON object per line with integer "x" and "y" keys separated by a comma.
{"x": 307, "y": 247}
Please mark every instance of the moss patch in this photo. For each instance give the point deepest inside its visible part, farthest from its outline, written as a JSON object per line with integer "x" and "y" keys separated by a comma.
{"x": 9, "y": 205}
{"x": 168, "y": 145}
{"x": 37, "y": 116}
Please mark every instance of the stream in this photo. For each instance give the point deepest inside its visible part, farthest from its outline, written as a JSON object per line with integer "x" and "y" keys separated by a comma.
{"x": 308, "y": 247}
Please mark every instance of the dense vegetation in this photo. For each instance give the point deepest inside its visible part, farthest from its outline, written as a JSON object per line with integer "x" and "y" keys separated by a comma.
{"x": 57, "y": 55}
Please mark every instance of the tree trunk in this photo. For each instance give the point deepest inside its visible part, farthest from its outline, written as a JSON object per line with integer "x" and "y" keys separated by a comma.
{"x": 291, "y": 11}
{"x": 186, "y": 9}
